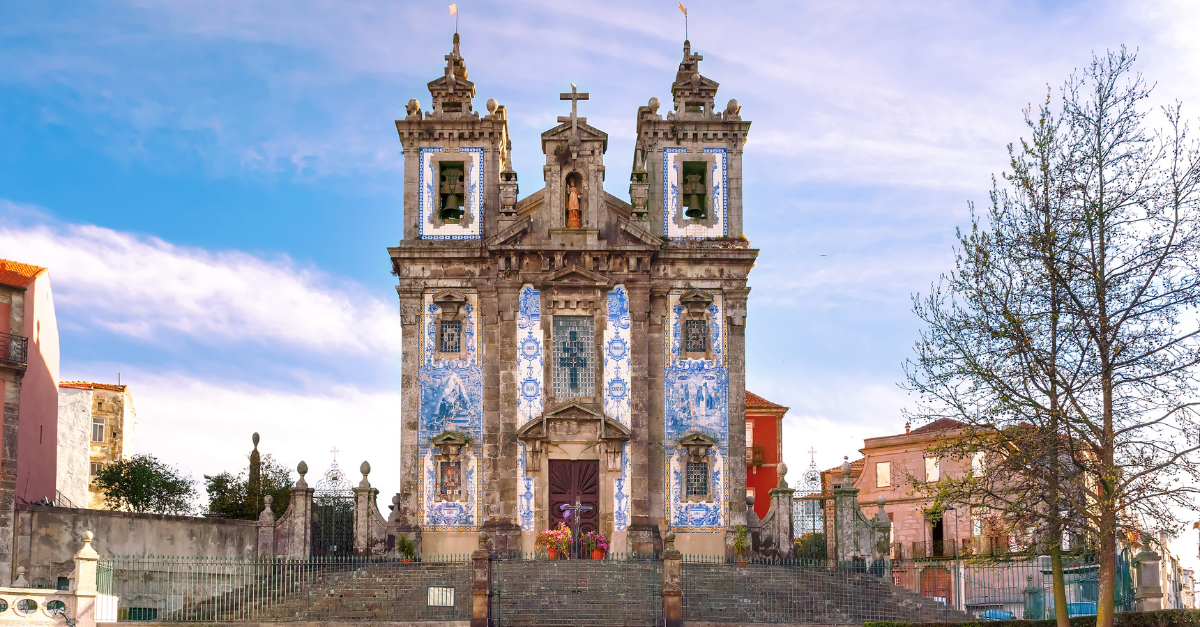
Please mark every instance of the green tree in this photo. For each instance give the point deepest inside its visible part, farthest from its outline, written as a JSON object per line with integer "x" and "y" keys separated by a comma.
{"x": 141, "y": 483}
{"x": 230, "y": 495}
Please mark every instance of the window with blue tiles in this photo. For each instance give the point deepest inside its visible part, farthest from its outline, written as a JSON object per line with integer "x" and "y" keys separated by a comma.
{"x": 697, "y": 478}
{"x": 574, "y": 357}
{"x": 695, "y": 336}
{"x": 451, "y": 336}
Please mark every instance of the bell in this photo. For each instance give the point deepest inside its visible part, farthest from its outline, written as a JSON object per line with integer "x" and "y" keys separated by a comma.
{"x": 695, "y": 208}
{"x": 450, "y": 209}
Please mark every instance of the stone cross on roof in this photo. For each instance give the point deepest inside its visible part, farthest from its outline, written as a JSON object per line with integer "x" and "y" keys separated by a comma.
{"x": 574, "y": 97}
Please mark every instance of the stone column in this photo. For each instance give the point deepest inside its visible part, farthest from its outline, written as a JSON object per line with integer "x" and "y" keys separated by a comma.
{"x": 293, "y": 532}
{"x": 266, "y": 529}
{"x": 407, "y": 514}
{"x": 480, "y": 584}
{"x": 498, "y": 309}
{"x": 645, "y": 394}
{"x": 672, "y": 584}
{"x": 777, "y": 530}
{"x": 1148, "y": 596}
{"x": 735, "y": 361}
{"x": 85, "y": 583}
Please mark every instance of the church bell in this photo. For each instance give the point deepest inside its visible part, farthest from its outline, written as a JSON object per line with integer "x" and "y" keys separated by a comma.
{"x": 695, "y": 207}
{"x": 450, "y": 208}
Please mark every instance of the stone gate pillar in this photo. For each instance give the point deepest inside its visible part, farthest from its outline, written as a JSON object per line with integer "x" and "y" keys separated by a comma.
{"x": 672, "y": 584}
{"x": 1148, "y": 596}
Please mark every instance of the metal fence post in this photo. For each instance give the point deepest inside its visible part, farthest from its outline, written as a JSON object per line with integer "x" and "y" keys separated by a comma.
{"x": 672, "y": 584}
{"x": 481, "y": 584}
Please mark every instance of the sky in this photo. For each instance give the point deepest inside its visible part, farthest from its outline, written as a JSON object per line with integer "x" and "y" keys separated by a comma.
{"x": 213, "y": 184}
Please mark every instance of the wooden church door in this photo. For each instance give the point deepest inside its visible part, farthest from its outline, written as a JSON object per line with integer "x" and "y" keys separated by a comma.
{"x": 571, "y": 481}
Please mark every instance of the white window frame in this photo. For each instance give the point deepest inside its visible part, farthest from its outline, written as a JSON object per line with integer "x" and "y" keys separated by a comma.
{"x": 883, "y": 474}
{"x": 933, "y": 469}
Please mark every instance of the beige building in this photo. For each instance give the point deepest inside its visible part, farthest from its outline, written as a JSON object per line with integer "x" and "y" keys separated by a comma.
{"x": 889, "y": 467}
{"x": 96, "y": 424}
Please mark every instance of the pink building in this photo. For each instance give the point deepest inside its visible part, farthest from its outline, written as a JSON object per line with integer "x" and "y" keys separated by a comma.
{"x": 29, "y": 389}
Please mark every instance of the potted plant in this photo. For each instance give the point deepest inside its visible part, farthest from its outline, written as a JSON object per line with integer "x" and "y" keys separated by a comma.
{"x": 596, "y": 543}
{"x": 741, "y": 544}
{"x": 406, "y": 548}
{"x": 556, "y": 542}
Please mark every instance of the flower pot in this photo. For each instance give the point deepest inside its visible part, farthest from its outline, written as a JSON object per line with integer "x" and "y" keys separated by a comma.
{"x": 552, "y": 554}
{"x": 406, "y": 559}
{"x": 597, "y": 554}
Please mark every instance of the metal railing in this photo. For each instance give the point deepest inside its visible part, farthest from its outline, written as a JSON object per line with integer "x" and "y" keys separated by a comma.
{"x": 178, "y": 589}
{"x": 14, "y": 348}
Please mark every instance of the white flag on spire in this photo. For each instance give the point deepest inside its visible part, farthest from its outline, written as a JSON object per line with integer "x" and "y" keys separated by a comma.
{"x": 453, "y": 9}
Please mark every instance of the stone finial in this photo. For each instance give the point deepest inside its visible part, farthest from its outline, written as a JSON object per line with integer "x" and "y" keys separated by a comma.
{"x": 733, "y": 107}
{"x": 396, "y": 500}
{"x": 491, "y": 106}
{"x": 20, "y": 581}
{"x": 254, "y": 439}
{"x": 87, "y": 552}
{"x": 653, "y": 105}
{"x": 846, "y": 466}
{"x": 781, "y": 470}
{"x": 749, "y": 501}
{"x": 302, "y": 468}
{"x": 364, "y": 468}
{"x": 87, "y": 537}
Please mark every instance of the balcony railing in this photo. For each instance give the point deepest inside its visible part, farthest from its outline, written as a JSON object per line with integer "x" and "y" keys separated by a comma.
{"x": 14, "y": 348}
{"x": 754, "y": 455}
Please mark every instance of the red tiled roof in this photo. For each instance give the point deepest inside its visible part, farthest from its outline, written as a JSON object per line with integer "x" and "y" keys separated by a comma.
{"x": 18, "y": 274}
{"x": 856, "y": 466}
{"x": 755, "y": 401}
{"x": 941, "y": 424}
{"x": 88, "y": 385}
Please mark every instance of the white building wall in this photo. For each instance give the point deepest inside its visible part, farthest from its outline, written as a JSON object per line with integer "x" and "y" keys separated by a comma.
{"x": 74, "y": 440}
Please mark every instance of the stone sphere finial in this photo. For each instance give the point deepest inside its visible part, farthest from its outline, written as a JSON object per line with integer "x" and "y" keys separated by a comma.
{"x": 365, "y": 468}
{"x": 781, "y": 469}
{"x": 396, "y": 500}
{"x": 749, "y": 500}
{"x": 413, "y": 106}
{"x": 653, "y": 105}
{"x": 302, "y": 468}
{"x": 882, "y": 500}
{"x": 87, "y": 536}
{"x": 846, "y": 466}
{"x": 491, "y": 105}
{"x": 254, "y": 439}
{"x": 733, "y": 107}
{"x": 268, "y": 499}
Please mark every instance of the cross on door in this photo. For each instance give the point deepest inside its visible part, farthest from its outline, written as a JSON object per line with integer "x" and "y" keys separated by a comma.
{"x": 575, "y": 509}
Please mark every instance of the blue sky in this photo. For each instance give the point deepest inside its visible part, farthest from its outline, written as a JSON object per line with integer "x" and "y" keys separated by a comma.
{"x": 214, "y": 184}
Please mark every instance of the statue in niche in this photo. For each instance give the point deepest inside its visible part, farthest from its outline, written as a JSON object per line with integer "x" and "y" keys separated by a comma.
{"x": 573, "y": 220}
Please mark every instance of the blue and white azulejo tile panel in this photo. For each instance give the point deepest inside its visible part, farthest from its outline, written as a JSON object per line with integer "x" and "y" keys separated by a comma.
{"x": 450, "y": 394}
{"x": 675, "y": 225}
{"x": 617, "y": 358}
{"x": 524, "y": 491}
{"x": 428, "y": 197}
{"x": 621, "y": 493}
{"x": 696, "y": 401}
{"x": 530, "y": 355}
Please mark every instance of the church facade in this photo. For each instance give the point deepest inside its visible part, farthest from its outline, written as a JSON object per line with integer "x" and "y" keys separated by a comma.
{"x": 569, "y": 345}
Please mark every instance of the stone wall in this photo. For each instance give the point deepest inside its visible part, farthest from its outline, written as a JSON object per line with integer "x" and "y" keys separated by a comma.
{"x": 74, "y": 436}
{"x": 48, "y": 537}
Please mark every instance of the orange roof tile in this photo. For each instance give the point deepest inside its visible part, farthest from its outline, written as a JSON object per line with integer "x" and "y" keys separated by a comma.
{"x": 18, "y": 274}
{"x": 856, "y": 466}
{"x": 755, "y": 401}
{"x": 88, "y": 385}
{"x": 941, "y": 424}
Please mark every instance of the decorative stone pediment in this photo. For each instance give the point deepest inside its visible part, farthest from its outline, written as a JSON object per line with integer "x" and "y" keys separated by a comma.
{"x": 450, "y": 303}
{"x": 697, "y": 445}
{"x": 573, "y": 423}
{"x": 696, "y": 302}
{"x": 451, "y": 444}
{"x": 573, "y": 276}
{"x": 586, "y": 133}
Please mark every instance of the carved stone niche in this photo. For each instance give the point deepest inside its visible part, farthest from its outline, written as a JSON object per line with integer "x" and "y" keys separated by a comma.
{"x": 573, "y": 424}
{"x": 696, "y": 306}
{"x": 450, "y": 309}
{"x": 451, "y": 445}
{"x": 698, "y": 447}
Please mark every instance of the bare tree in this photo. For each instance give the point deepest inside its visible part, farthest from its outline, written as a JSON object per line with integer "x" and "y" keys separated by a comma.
{"x": 1064, "y": 341}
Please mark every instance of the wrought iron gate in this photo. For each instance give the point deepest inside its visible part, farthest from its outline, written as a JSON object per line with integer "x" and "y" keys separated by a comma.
{"x": 333, "y": 514}
{"x": 584, "y": 593}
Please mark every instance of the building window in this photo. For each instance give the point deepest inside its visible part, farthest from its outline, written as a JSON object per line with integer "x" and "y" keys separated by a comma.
{"x": 696, "y": 336}
{"x": 883, "y": 474}
{"x": 697, "y": 478}
{"x": 451, "y": 480}
{"x": 96, "y": 469}
{"x": 97, "y": 428}
{"x": 977, "y": 461}
{"x": 750, "y": 492}
{"x": 749, "y": 433}
{"x": 574, "y": 355}
{"x": 451, "y": 336}
{"x": 932, "y": 471}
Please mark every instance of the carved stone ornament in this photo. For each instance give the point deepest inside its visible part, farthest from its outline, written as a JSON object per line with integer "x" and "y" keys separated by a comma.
{"x": 451, "y": 445}
{"x": 697, "y": 445}
{"x": 696, "y": 303}
{"x": 573, "y": 422}
{"x": 449, "y": 303}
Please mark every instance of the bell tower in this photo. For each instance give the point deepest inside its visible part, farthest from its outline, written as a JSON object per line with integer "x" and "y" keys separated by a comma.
{"x": 687, "y": 168}
{"x": 454, "y": 160}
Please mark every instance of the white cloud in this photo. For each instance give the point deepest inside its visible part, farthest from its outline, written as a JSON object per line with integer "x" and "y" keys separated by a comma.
{"x": 147, "y": 288}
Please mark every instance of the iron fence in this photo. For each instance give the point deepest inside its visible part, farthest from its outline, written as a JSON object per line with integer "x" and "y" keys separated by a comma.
{"x": 620, "y": 589}
{"x": 178, "y": 589}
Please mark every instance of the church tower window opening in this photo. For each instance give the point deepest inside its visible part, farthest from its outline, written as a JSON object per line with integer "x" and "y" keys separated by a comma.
{"x": 574, "y": 357}
{"x": 696, "y": 336}
{"x": 695, "y": 190}
{"x": 697, "y": 478}
{"x": 451, "y": 341}
{"x": 451, "y": 190}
